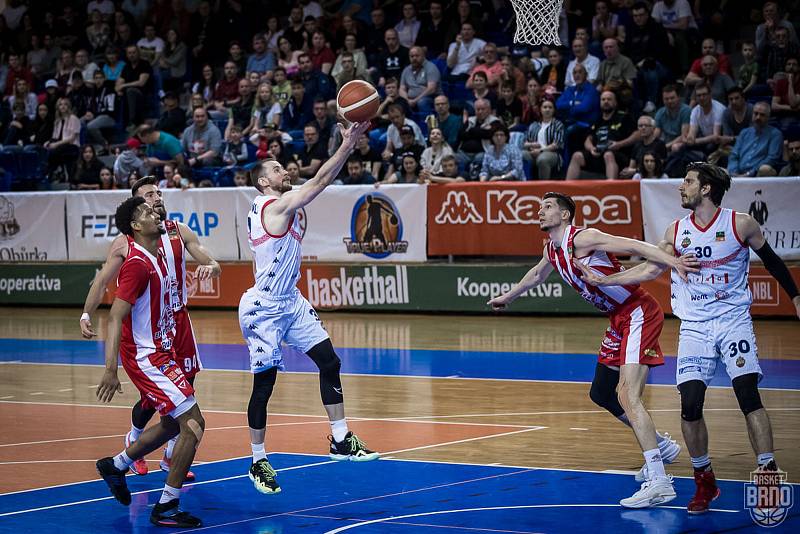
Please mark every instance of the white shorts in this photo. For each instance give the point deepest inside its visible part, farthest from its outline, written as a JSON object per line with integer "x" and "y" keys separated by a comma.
{"x": 267, "y": 321}
{"x": 729, "y": 338}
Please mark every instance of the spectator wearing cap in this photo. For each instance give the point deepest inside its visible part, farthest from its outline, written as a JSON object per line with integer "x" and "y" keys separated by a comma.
{"x": 261, "y": 60}
{"x": 503, "y": 161}
{"x": 398, "y": 120}
{"x": 759, "y": 148}
{"x": 173, "y": 118}
{"x": 128, "y": 162}
{"x": 201, "y": 142}
{"x": 408, "y": 145}
{"x": 420, "y": 81}
{"x": 51, "y": 94}
{"x": 162, "y": 147}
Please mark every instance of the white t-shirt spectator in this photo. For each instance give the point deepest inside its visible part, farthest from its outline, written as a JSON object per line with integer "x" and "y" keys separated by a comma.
{"x": 592, "y": 66}
{"x": 706, "y": 122}
{"x": 669, "y": 15}
{"x": 150, "y": 49}
{"x": 466, "y": 55}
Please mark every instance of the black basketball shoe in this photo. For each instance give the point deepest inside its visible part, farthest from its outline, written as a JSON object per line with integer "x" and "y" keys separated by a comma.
{"x": 115, "y": 479}
{"x": 351, "y": 448}
{"x": 263, "y": 476}
{"x": 169, "y": 515}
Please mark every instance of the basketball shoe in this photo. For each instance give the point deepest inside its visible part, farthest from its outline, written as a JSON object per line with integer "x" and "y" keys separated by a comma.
{"x": 669, "y": 449}
{"x": 169, "y": 515}
{"x": 652, "y": 493}
{"x": 263, "y": 476}
{"x": 705, "y": 492}
{"x": 351, "y": 448}
{"x": 139, "y": 466}
{"x": 165, "y": 464}
{"x": 115, "y": 479}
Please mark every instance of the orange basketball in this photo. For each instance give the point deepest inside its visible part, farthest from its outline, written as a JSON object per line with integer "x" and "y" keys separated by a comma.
{"x": 358, "y": 101}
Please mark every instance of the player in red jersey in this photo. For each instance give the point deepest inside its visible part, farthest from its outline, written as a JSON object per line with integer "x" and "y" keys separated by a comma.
{"x": 141, "y": 330}
{"x": 631, "y": 342}
{"x": 175, "y": 242}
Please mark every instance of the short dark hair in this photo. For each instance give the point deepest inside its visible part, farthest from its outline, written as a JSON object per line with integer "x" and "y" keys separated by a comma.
{"x": 144, "y": 130}
{"x": 639, "y": 6}
{"x": 125, "y": 214}
{"x": 564, "y": 202}
{"x": 480, "y": 73}
{"x": 702, "y": 85}
{"x": 141, "y": 182}
{"x": 355, "y": 159}
{"x": 671, "y": 88}
{"x": 733, "y": 90}
{"x": 297, "y": 81}
{"x": 714, "y": 176}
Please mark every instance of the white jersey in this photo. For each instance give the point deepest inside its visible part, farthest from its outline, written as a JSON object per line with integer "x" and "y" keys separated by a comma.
{"x": 721, "y": 285}
{"x": 276, "y": 257}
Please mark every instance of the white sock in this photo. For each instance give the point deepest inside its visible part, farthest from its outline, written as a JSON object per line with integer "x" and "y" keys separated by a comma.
{"x": 339, "y": 430}
{"x": 135, "y": 433}
{"x": 655, "y": 466}
{"x": 765, "y": 457}
{"x": 169, "y": 494}
{"x": 122, "y": 461}
{"x": 170, "y": 446}
{"x": 700, "y": 461}
{"x": 258, "y": 452}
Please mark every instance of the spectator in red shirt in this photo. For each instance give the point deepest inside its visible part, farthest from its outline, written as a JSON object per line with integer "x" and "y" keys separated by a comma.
{"x": 226, "y": 92}
{"x": 322, "y": 57}
{"x": 17, "y": 71}
{"x": 710, "y": 49}
{"x": 786, "y": 100}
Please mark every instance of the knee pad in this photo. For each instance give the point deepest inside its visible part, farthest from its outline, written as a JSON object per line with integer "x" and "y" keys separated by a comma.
{"x": 746, "y": 389}
{"x": 263, "y": 383}
{"x": 693, "y": 396}
{"x": 603, "y": 390}
{"x": 329, "y": 364}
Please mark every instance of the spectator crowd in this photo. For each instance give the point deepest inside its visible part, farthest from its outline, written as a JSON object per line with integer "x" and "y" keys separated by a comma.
{"x": 196, "y": 92}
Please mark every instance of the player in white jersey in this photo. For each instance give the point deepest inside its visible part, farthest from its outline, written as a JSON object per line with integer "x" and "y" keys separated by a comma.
{"x": 631, "y": 342}
{"x": 178, "y": 240}
{"x": 714, "y": 308}
{"x": 273, "y": 310}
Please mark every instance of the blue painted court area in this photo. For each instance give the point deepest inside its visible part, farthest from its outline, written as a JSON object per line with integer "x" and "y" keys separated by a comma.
{"x": 386, "y": 496}
{"x": 784, "y": 374}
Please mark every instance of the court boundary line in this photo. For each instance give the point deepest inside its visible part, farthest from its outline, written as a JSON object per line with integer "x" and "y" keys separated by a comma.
{"x": 378, "y": 375}
{"x": 516, "y": 507}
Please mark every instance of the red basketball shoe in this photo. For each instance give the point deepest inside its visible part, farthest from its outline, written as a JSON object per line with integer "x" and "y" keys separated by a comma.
{"x": 706, "y": 492}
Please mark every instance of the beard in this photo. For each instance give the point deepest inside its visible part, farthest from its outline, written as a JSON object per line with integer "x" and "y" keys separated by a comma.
{"x": 689, "y": 203}
{"x": 161, "y": 211}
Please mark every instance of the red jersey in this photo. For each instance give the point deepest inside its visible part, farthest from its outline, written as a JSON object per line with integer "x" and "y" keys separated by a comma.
{"x": 143, "y": 282}
{"x": 606, "y": 298}
{"x": 174, "y": 253}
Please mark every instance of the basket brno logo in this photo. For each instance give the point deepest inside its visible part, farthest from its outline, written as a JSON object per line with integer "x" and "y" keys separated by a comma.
{"x": 768, "y": 497}
{"x": 376, "y": 228}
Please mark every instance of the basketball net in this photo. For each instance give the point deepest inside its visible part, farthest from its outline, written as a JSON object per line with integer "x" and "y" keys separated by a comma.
{"x": 537, "y": 21}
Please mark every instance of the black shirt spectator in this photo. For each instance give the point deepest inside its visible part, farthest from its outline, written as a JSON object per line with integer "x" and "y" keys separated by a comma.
{"x": 394, "y": 59}
{"x": 433, "y": 31}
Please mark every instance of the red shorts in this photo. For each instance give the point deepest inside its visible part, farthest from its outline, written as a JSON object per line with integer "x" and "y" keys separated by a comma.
{"x": 632, "y": 336}
{"x": 159, "y": 379}
{"x": 185, "y": 345}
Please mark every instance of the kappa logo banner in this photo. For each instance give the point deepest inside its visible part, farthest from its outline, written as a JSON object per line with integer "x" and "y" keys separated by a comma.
{"x": 502, "y": 219}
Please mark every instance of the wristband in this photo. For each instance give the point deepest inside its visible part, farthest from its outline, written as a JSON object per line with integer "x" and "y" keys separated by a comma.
{"x": 85, "y": 317}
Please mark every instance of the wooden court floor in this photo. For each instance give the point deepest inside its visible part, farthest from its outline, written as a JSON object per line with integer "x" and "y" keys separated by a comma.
{"x": 512, "y": 422}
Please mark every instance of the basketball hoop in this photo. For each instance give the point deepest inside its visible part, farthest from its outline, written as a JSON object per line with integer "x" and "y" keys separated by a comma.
{"x": 537, "y": 21}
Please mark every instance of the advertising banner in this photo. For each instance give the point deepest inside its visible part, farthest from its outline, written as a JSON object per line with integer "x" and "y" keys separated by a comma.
{"x": 356, "y": 224}
{"x": 772, "y": 202}
{"x": 500, "y": 219}
{"x": 210, "y": 213}
{"x": 46, "y": 284}
{"x": 32, "y": 227}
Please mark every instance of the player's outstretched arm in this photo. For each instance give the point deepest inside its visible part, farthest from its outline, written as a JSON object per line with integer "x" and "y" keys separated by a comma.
{"x": 109, "y": 384}
{"x": 208, "y": 268}
{"x": 750, "y": 232}
{"x": 307, "y": 192}
{"x": 532, "y": 278}
{"x": 116, "y": 255}
{"x": 592, "y": 239}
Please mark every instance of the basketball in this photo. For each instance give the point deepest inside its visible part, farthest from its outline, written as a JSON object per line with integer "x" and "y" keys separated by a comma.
{"x": 358, "y": 101}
